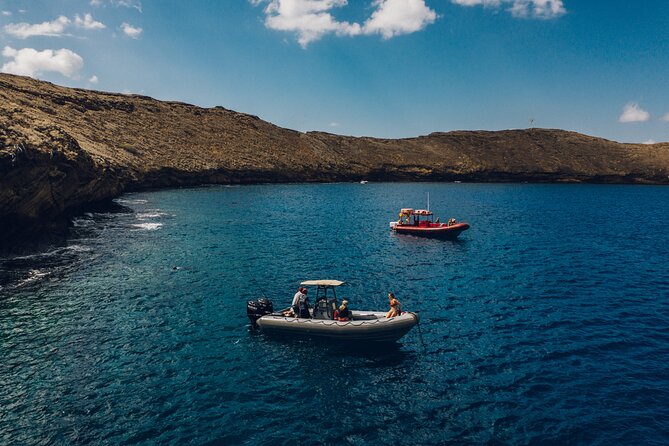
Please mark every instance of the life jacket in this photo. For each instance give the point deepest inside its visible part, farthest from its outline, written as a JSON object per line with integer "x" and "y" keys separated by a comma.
{"x": 303, "y": 303}
{"x": 342, "y": 315}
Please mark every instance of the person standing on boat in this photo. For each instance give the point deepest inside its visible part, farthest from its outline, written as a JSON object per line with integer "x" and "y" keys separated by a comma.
{"x": 395, "y": 306}
{"x": 300, "y": 303}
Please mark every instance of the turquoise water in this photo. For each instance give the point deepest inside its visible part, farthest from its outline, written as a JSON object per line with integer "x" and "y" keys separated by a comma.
{"x": 546, "y": 323}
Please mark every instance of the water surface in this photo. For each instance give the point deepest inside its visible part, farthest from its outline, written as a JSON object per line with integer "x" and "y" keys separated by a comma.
{"x": 546, "y": 323}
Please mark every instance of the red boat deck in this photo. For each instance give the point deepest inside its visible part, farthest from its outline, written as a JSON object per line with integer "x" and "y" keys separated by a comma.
{"x": 436, "y": 230}
{"x": 419, "y": 222}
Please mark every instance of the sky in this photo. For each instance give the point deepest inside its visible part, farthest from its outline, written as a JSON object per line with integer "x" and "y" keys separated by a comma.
{"x": 382, "y": 68}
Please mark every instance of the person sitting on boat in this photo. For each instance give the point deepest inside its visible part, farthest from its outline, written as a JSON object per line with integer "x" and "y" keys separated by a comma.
{"x": 300, "y": 303}
{"x": 343, "y": 314}
{"x": 395, "y": 306}
{"x": 451, "y": 221}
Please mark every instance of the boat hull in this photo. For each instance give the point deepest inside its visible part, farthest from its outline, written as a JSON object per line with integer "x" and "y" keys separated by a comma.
{"x": 442, "y": 231}
{"x": 366, "y": 326}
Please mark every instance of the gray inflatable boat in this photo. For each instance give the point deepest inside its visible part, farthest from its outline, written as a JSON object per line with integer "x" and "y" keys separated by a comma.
{"x": 364, "y": 326}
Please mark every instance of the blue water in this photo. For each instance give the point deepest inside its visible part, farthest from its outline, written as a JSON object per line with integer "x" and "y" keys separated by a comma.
{"x": 546, "y": 323}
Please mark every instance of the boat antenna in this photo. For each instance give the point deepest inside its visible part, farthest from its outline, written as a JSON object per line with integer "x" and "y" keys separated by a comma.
{"x": 428, "y": 201}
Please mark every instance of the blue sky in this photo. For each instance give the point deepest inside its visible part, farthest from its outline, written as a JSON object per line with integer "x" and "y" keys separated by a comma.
{"x": 385, "y": 68}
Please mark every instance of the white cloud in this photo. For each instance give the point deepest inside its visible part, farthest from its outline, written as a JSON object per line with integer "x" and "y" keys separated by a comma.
{"x": 491, "y": 3}
{"x": 128, "y": 4}
{"x": 30, "y": 62}
{"x": 87, "y": 22}
{"x": 93, "y": 79}
{"x": 54, "y": 28}
{"x": 665, "y": 118}
{"x": 649, "y": 141}
{"x": 312, "y": 19}
{"x": 633, "y": 113}
{"x": 131, "y": 31}
{"x": 309, "y": 19}
{"x": 334, "y": 124}
{"x": 25, "y": 30}
{"x": 540, "y": 9}
{"x": 395, "y": 17}
{"x": 6, "y": 13}
{"x": 136, "y": 4}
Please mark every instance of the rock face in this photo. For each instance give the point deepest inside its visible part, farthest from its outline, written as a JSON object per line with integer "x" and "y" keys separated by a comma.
{"x": 63, "y": 148}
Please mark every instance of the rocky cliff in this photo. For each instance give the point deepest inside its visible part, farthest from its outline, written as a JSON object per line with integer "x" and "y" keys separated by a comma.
{"x": 63, "y": 148}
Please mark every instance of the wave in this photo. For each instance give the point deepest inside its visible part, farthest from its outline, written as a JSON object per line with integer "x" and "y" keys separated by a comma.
{"x": 82, "y": 222}
{"x": 79, "y": 248}
{"x": 147, "y": 226}
{"x": 130, "y": 201}
{"x": 34, "y": 275}
{"x": 145, "y": 215}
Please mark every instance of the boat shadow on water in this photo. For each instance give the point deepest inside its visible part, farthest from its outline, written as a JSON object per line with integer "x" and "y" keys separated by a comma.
{"x": 414, "y": 241}
{"x": 322, "y": 348}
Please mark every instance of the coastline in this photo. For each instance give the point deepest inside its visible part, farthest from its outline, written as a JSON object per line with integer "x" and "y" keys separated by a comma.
{"x": 63, "y": 149}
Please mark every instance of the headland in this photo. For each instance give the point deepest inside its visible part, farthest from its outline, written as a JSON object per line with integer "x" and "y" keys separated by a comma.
{"x": 62, "y": 149}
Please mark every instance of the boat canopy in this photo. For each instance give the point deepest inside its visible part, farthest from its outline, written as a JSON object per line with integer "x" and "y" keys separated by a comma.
{"x": 422, "y": 212}
{"x": 411, "y": 211}
{"x": 324, "y": 283}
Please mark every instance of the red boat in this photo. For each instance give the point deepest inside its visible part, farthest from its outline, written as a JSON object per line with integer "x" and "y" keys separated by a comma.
{"x": 421, "y": 222}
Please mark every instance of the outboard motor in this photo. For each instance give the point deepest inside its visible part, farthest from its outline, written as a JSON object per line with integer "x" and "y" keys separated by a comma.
{"x": 255, "y": 309}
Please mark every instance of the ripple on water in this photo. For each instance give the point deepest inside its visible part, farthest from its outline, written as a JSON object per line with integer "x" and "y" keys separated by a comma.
{"x": 130, "y": 334}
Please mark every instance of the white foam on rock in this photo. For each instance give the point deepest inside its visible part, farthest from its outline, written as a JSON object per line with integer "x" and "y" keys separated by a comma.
{"x": 147, "y": 226}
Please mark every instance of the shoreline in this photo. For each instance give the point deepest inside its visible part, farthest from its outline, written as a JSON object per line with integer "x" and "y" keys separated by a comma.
{"x": 64, "y": 149}
{"x": 14, "y": 234}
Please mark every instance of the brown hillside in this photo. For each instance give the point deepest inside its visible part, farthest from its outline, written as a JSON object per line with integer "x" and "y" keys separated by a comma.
{"x": 61, "y": 148}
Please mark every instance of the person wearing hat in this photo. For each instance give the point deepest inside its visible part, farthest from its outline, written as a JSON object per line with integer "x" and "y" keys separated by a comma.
{"x": 343, "y": 314}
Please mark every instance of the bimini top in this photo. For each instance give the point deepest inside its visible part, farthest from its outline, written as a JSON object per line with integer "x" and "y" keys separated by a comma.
{"x": 422, "y": 212}
{"x": 322, "y": 283}
{"x": 410, "y": 211}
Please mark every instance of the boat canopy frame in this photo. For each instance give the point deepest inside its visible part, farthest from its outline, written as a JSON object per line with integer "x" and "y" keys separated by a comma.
{"x": 412, "y": 211}
{"x": 413, "y": 216}
{"x": 323, "y": 287}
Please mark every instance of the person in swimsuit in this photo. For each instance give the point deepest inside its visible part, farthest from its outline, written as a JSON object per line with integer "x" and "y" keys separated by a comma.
{"x": 395, "y": 306}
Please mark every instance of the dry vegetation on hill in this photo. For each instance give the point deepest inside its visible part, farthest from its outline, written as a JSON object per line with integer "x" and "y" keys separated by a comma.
{"x": 63, "y": 148}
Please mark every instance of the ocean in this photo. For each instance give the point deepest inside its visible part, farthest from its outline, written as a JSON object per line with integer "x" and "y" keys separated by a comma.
{"x": 545, "y": 323}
